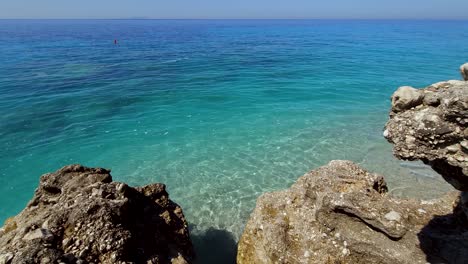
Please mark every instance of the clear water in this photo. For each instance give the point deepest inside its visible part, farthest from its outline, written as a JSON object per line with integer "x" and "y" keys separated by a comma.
{"x": 220, "y": 111}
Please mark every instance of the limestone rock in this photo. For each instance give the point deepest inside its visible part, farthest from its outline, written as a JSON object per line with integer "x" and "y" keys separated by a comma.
{"x": 78, "y": 215}
{"x": 434, "y": 131}
{"x": 340, "y": 213}
{"x": 464, "y": 71}
{"x": 405, "y": 98}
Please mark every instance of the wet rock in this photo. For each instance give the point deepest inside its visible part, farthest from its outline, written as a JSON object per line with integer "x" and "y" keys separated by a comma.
{"x": 434, "y": 131}
{"x": 78, "y": 215}
{"x": 464, "y": 71}
{"x": 340, "y": 213}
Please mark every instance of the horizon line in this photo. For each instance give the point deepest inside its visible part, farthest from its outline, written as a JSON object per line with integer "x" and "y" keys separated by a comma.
{"x": 144, "y": 18}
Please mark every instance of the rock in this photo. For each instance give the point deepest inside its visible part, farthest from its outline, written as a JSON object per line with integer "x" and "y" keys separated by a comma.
{"x": 6, "y": 258}
{"x": 39, "y": 233}
{"x": 431, "y": 98}
{"x": 464, "y": 71}
{"x": 464, "y": 145}
{"x": 405, "y": 98}
{"x": 393, "y": 216}
{"x": 78, "y": 215}
{"x": 434, "y": 131}
{"x": 340, "y": 213}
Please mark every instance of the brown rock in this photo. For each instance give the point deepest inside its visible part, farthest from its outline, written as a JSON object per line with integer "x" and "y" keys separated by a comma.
{"x": 434, "y": 132}
{"x": 78, "y": 215}
{"x": 340, "y": 213}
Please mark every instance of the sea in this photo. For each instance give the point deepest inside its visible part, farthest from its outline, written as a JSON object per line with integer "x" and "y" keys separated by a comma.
{"x": 220, "y": 111}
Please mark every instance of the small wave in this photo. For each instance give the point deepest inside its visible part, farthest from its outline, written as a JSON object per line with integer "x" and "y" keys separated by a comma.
{"x": 173, "y": 60}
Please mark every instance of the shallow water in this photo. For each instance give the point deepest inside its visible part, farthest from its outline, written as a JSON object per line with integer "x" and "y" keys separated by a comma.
{"x": 219, "y": 111}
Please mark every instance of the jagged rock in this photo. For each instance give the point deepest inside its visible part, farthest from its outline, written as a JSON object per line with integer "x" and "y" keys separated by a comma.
{"x": 435, "y": 130}
{"x": 340, "y": 213}
{"x": 78, "y": 215}
{"x": 464, "y": 71}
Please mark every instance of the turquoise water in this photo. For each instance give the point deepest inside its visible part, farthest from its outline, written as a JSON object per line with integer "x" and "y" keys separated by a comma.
{"x": 219, "y": 111}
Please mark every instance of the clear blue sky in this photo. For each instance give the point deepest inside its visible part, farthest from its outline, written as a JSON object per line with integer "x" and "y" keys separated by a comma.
{"x": 436, "y": 9}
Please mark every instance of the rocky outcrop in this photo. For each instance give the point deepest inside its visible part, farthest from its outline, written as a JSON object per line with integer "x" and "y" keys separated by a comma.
{"x": 78, "y": 215}
{"x": 340, "y": 213}
{"x": 464, "y": 71}
{"x": 431, "y": 125}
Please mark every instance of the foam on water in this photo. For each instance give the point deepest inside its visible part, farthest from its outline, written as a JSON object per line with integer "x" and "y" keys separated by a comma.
{"x": 220, "y": 111}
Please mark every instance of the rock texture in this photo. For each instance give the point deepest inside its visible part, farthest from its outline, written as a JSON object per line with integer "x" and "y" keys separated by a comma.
{"x": 431, "y": 125}
{"x": 464, "y": 71}
{"x": 340, "y": 213}
{"x": 78, "y": 215}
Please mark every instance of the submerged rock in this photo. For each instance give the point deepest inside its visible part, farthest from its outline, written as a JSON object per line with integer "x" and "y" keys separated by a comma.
{"x": 433, "y": 128}
{"x": 78, "y": 215}
{"x": 340, "y": 213}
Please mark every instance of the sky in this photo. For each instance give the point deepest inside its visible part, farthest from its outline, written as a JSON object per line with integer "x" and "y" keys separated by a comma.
{"x": 235, "y": 9}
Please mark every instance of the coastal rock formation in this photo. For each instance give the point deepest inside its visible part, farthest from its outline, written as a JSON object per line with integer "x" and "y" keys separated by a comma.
{"x": 464, "y": 71}
{"x": 431, "y": 125}
{"x": 340, "y": 213}
{"x": 78, "y": 215}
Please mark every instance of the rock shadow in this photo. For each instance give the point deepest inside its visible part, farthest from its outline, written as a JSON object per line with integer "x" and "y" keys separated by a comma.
{"x": 445, "y": 238}
{"x": 215, "y": 246}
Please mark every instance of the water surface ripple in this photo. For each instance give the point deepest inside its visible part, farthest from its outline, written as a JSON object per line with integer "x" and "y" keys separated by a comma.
{"x": 220, "y": 111}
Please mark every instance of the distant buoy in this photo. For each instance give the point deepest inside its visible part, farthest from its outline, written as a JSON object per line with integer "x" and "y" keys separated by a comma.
{"x": 115, "y": 42}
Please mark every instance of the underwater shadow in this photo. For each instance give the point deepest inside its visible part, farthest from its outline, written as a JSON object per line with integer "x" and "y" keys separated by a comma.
{"x": 215, "y": 246}
{"x": 445, "y": 238}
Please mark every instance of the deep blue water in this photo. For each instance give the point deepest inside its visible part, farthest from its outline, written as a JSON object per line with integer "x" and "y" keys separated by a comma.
{"x": 219, "y": 110}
